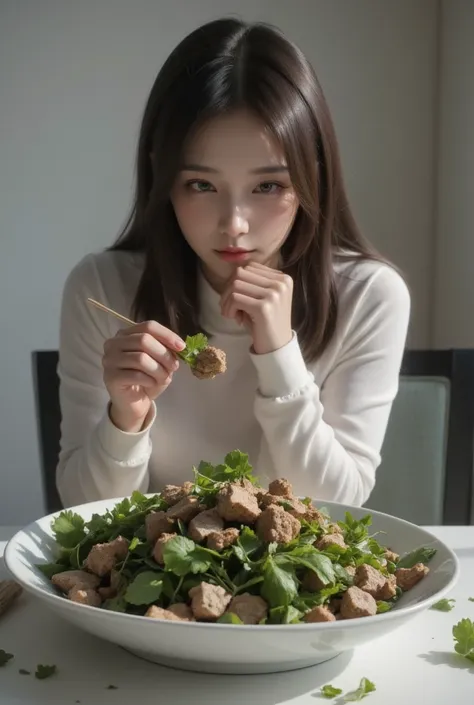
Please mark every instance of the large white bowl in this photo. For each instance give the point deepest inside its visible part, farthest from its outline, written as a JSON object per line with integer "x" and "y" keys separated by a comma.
{"x": 221, "y": 648}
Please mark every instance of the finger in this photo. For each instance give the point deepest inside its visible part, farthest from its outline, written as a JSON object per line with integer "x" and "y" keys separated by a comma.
{"x": 157, "y": 331}
{"x": 131, "y": 378}
{"x": 268, "y": 272}
{"x": 243, "y": 287}
{"x": 144, "y": 342}
{"x": 141, "y": 362}
{"x": 244, "y": 304}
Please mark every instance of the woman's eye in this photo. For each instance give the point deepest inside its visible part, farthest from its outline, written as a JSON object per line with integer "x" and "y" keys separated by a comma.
{"x": 200, "y": 186}
{"x": 269, "y": 187}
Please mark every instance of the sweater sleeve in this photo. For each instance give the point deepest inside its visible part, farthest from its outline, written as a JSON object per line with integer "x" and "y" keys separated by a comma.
{"x": 97, "y": 460}
{"x": 327, "y": 440}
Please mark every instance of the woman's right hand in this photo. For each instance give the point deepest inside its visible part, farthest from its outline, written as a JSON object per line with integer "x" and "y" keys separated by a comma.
{"x": 138, "y": 366}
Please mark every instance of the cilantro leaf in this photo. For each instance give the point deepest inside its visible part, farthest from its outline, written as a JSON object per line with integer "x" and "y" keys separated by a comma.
{"x": 145, "y": 589}
{"x": 68, "y": 529}
{"x": 309, "y": 557}
{"x": 280, "y": 586}
{"x": 194, "y": 345}
{"x": 247, "y": 543}
{"x": 284, "y": 615}
{"x": 24, "y": 672}
{"x": 329, "y": 691}
{"x": 43, "y": 672}
{"x": 383, "y": 606}
{"x": 463, "y": 633}
{"x": 182, "y": 556}
{"x": 443, "y": 605}
{"x": 229, "y": 618}
{"x": 419, "y": 555}
{"x": 50, "y": 569}
{"x": 5, "y": 657}
{"x": 365, "y": 687}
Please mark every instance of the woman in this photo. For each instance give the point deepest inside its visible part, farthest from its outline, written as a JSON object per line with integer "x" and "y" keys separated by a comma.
{"x": 241, "y": 229}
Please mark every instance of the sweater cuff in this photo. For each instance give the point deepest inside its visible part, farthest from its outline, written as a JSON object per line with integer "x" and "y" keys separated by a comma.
{"x": 123, "y": 447}
{"x": 282, "y": 372}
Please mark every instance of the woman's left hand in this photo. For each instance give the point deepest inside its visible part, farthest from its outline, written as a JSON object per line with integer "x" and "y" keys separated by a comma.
{"x": 261, "y": 298}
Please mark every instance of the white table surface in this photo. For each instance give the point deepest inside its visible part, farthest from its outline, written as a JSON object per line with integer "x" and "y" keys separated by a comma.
{"x": 416, "y": 664}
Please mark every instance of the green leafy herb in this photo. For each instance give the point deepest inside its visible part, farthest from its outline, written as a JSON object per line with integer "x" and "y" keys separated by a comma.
{"x": 329, "y": 691}
{"x": 194, "y": 345}
{"x": 383, "y": 606}
{"x": 5, "y": 657}
{"x": 43, "y": 672}
{"x": 309, "y": 557}
{"x": 24, "y": 672}
{"x": 280, "y": 586}
{"x": 285, "y": 615}
{"x": 419, "y": 555}
{"x": 229, "y": 618}
{"x": 247, "y": 544}
{"x": 183, "y": 556}
{"x": 443, "y": 605}
{"x": 145, "y": 589}
{"x": 50, "y": 569}
{"x": 463, "y": 633}
{"x": 364, "y": 689}
{"x": 471, "y": 599}
{"x": 355, "y": 531}
{"x": 68, "y": 529}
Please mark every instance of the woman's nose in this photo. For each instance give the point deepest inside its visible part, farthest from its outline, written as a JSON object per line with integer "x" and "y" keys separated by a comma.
{"x": 234, "y": 221}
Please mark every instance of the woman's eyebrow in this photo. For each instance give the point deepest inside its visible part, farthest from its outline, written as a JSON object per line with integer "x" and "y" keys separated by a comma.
{"x": 270, "y": 169}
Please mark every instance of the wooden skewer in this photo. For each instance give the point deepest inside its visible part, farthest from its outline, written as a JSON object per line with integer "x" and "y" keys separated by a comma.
{"x": 97, "y": 304}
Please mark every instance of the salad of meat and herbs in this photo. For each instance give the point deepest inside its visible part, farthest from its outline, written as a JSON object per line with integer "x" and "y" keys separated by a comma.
{"x": 223, "y": 549}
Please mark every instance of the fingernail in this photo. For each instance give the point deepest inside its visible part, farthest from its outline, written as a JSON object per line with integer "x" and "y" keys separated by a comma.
{"x": 180, "y": 344}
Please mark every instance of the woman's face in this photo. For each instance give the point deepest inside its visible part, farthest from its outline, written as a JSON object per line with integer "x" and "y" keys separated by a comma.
{"x": 233, "y": 197}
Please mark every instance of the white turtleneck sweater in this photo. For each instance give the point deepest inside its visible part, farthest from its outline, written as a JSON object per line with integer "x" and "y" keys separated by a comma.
{"x": 321, "y": 426}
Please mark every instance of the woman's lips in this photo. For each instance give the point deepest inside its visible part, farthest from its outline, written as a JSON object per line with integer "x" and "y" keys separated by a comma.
{"x": 235, "y": 254}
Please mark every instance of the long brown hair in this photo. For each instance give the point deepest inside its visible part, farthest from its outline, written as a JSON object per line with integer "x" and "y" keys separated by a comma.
{"x": 222, "y": 66}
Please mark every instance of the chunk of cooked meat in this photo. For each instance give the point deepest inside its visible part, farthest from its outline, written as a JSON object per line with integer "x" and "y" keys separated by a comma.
{"x": 159, "y": 546}
{"x": 203, "y": 524}
{"x": 370, "y": 580}
{"x": 111, "y": 590}
{"x": 389, "y": 590}
{"x": 234, "y": 503}
{"x": 334, "y": 529}
{"x": 265, "y": 499}
{"x": 159, "y": 613}
{"x": 219, "y": 540}
{"x": 281, "y": 488}
{"x": 297, "y": 508}
{"x": 357, "y": 603}
{"x": 312, "y": 514}
{"x": 408, "y": 577}
{"x": 250, "y": 609}
{"x": 330, "y": 540}
{"x": 274, "y": 524}
{"x": 186, "y": 509}
{"x": 319, "y": 614}
{"x": 103, "y": 556}
{"x": 209, "y": 601}
{"x": 250, "y": 487}
{"x": 157, "y": 523}
{"x": 209, "y": 362}
{"x": 69, "y": 579}
{"x": 172, "y": 494}
{"x": 391, "y": 556}
{"x": 85, "y": 596}
{"x": 182, "y": 611}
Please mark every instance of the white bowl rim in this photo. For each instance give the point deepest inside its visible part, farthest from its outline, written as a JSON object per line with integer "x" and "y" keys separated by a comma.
{"x": 344, "y": 623}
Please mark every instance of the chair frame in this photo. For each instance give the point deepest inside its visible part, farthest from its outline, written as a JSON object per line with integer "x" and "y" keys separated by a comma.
{"x": 458, "y": 367}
